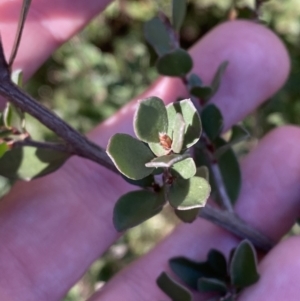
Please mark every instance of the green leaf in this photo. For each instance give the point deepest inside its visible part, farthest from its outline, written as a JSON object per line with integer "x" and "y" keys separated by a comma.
{"x": 185, "y": 168}
{"x": 173, "y": 289}
{"x": 191, "y": 118}
{"x": 157, "y": 36}
{"x": 130, "y": 156}
{"x": 145, "y": 182}
{"x": 3, "y": 148}
{"x": 189, "y": 194}
{"x": 243, "y": 270}
{"x": 206, "y": 285}
{"x": 175, "y": 63}
{"x": 203, "y": 92}
{"x": 230, "y": 171}
{"x": 167, "y": 161}
{"x": 178, "y": 14}
{"x": 218, "y": 263}
{"x": 187, "y": 216}
{"x": 194, "y": 81}
{"x": 238, "y": 134}
{"x": 202, "y": 172}
{"x": 178, "y": 133}
{"x": 14, "y": 118}
{"x": 158, "y": 149}
{"x": 5, "y": 186}
{"x": 28, "y": 162}
{"x": 135, "y": 207}
{"x": 150, "y": 119}
{"x": 217, "y": 77}
{"x": 197, "y": 88}
{"x": 212, "y": 121}
{"x": 190, "y": 271}
{"x": 17, "y": 77}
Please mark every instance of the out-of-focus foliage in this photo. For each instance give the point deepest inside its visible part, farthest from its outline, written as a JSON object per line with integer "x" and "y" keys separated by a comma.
{"x": 109, "y": 62}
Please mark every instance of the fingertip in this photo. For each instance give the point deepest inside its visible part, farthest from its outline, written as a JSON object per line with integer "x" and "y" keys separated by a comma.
{"x": 269, "y": 199}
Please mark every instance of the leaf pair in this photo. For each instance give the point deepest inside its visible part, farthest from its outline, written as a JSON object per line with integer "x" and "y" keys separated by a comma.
{"x": 173, "y": 60}
{"x": 213, "y": 275}
{"x": 169, "y": 132}
{"x": 178, "y": 122}
{"x": 204, "y": 92}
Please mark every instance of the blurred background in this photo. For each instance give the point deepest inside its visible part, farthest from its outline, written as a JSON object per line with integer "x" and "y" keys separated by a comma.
{"x": 109, "y": 62}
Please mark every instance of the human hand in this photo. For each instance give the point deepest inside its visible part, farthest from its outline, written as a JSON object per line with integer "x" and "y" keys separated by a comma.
{"x": 53, "y": 228}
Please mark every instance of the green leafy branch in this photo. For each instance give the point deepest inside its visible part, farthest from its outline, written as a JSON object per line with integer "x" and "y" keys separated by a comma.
{"x": 165, "y": 136}
{"x": 215, "y": 275}
{"x": 170, "y": 171}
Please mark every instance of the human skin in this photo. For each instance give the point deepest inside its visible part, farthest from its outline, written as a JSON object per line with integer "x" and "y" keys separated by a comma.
{"x": 53, "y": 228}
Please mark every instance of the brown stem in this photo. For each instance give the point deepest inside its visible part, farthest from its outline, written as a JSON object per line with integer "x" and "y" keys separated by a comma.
{"x": 23, "y": 16}
{"x": 231, "y": 222}
{"x": 81, "y": 146}
{"x": 76, "y": 142}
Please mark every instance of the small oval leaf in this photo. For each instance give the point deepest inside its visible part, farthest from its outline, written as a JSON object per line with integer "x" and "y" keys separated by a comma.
{"x": 243, "y": 270}
{"x": 27, "y": 163}
{"x": 191, "y": 118}
{"x": 14, "y": 118}
{"x": 217, "y": 77}
{"x": 135, "y": 207}
{"x": 157, "y": 36}
{"x": 130, "y": 156}
{"x": 189, "y": 194}
{"x": 172, "y": 288}
{"x": 150, "y": 119}
{"x": 218, "y": 263}
{"x": 175, "y": 63}
{"x": 203, "y": 92}
{"x": 207, "y": 285}
{"x": 178, "y": 133}
{"x": 212, "y": 121}
{"x": 190, "y": 271}
{"x": 185, "y": 168}
{"x": 178, "y": 13}
{"x": 194, "y": 81}
{"x": 187, "y": 216}
{"x": 230, "y": 170}
{"x": 3, "y": 148}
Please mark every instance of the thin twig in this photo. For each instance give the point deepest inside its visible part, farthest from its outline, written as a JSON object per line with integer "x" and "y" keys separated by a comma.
{"x": 81, "y": 146}
{"x": 23, "y": 16}
{"x": 76, "y": 142}
{"x": 221, "y": 187}
{"x": 231, "y": 222}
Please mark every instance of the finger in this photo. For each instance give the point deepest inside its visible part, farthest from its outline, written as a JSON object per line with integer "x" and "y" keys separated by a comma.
{"x": 65, "y": 219}
{"x": 49, "y": 24}
{"x": 252, "y": 76}
{"x": 266, "y": 183}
